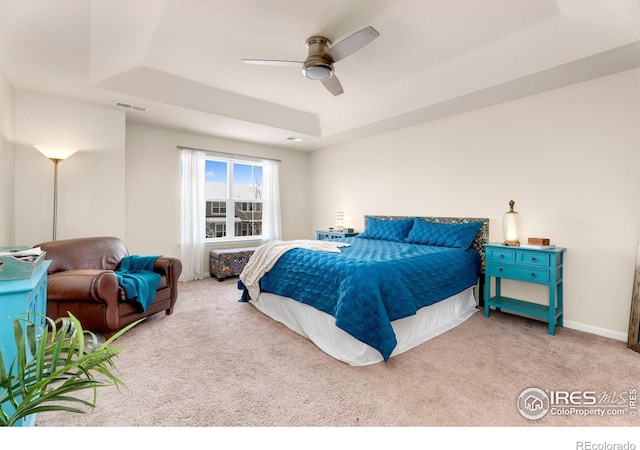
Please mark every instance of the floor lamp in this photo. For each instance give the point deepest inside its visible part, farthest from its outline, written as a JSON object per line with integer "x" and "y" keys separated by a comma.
{"x": 55, "y": 153}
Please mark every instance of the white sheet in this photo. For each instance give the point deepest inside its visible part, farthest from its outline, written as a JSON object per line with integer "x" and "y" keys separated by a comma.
{"x": 320, "y": 328}
{"x": 266, "y": 256}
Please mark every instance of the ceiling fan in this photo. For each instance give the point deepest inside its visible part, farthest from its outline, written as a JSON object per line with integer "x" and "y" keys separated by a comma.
{"x": 322, "y": 56}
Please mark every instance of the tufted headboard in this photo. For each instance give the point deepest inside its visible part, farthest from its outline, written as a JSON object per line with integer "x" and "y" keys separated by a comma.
{"x": 482, "y": 237}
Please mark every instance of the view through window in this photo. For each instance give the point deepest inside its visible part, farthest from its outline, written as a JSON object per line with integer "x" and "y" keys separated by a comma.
{"x": 234, "y": 193}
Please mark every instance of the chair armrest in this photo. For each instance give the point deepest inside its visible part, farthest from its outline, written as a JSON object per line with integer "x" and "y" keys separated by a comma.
{"x": 90, "y": 285}
{"x": 170, "y": 267}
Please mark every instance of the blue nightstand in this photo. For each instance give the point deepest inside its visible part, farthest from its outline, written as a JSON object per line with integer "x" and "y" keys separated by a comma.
{"x": 329, "y": 235}
{"x": 26, "y": 299}
{"x": 540, "y": 266}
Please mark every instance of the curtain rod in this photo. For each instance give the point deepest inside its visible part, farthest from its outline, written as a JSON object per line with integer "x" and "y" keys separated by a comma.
{"x": 180, "y": 147}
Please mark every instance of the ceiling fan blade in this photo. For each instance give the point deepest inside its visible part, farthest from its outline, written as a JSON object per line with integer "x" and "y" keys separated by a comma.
{"x": 352, "y": 44}
{"x": 268, "y": 62}
{"x": 333, "y": 85}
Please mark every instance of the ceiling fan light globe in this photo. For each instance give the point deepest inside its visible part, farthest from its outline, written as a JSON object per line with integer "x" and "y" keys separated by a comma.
{"x": 317, "y": 72}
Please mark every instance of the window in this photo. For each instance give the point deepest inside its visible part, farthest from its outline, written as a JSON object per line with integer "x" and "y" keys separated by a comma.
{"x": 234, "y": 194}
{"x": 210, "y": 186}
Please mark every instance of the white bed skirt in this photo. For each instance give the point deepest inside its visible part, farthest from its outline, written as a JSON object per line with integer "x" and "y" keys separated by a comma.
{"x": 320, "y": 328}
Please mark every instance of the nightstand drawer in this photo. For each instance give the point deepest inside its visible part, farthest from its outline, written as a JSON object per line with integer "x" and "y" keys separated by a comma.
{"x": 518, "y": 273}
{"x": 501, "y": 255}
{"x": 534, "y": 258}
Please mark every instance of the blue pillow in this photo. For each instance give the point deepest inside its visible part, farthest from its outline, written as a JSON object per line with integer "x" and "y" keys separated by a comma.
{"x": 387, "y": 229}
{"x": 455, "y": 235}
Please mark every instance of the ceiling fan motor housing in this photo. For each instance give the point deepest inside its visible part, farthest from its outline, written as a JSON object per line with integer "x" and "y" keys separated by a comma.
{"x": 317, "y": 66}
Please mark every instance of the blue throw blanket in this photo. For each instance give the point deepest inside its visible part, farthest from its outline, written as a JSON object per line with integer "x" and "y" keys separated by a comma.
{"x": 372, "y": 283}
{"x": 137, "y": 278}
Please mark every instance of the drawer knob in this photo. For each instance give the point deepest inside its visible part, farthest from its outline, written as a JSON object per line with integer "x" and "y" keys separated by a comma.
{"x": 500, "y": 270}
{"x": 501, "y": 256}
{"x": 533, "y": 275}
{"x": 533, "y": 259}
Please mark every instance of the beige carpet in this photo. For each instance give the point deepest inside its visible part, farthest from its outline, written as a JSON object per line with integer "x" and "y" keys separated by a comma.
{"x": 220, "y": 363}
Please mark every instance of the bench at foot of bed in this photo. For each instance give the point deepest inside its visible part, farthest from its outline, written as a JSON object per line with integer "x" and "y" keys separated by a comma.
{"x": 230, "y": 262}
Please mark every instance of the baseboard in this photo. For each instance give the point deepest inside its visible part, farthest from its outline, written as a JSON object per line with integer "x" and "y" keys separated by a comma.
{"x": 595, "y": 330}
{"x": 582, "y": 327}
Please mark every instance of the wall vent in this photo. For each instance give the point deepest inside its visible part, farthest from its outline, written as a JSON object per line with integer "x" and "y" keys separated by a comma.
{"x": 130, "y": 106}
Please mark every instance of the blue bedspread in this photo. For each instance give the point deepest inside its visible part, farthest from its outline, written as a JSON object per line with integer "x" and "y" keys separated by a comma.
{"x": 372, "y": 283}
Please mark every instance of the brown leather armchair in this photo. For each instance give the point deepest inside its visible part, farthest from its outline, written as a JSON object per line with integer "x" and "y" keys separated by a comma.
{"x": 82, "y": 281}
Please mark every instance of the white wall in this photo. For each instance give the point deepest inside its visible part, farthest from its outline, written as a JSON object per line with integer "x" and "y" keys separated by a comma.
{"x": 105, "y": 190}
{"x": 570, "y": 159}
{"x": 153, "y": 186}
{"x": 91, "y": 183}
{"x": 7, "y": 154}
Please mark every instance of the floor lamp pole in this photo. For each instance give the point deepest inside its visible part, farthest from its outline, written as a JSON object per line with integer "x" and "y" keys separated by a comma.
{"x": 55, "y": 153}
{"x": 55, "y": 162}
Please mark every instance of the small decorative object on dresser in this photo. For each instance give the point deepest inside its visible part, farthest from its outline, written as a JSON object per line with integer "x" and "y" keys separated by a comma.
{"x": 329, "y": 235}
{"x": 541, "y": 266}
{"x": 538, "y": 241}
{"x": 633, "y": 341}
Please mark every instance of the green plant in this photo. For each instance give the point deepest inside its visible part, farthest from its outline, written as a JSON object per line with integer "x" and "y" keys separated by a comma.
{"x": 52, "y": 364}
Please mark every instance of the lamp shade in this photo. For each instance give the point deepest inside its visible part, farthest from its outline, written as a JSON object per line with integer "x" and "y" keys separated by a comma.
{"x": 55, "y": 151}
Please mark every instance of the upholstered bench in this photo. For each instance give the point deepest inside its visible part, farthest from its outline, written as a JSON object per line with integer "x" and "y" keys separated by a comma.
{"x": 224, "y": 263}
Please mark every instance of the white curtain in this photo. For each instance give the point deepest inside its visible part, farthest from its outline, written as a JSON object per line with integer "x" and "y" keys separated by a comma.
{"x": 193, "y": 201}
{"x": 271, "y": 222}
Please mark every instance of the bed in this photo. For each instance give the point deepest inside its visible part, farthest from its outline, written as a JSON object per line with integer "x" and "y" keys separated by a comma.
{"x": 365, "y": 299}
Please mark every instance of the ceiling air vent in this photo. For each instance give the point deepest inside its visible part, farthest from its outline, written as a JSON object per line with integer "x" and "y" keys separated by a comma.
{"x": 130, "y": 106}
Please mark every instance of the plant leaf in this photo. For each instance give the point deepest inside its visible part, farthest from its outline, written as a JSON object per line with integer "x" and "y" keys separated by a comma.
{"x": 62, "y": 361}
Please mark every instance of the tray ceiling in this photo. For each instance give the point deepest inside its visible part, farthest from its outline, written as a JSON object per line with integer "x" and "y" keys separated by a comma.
{"x": 181, "y": 60}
